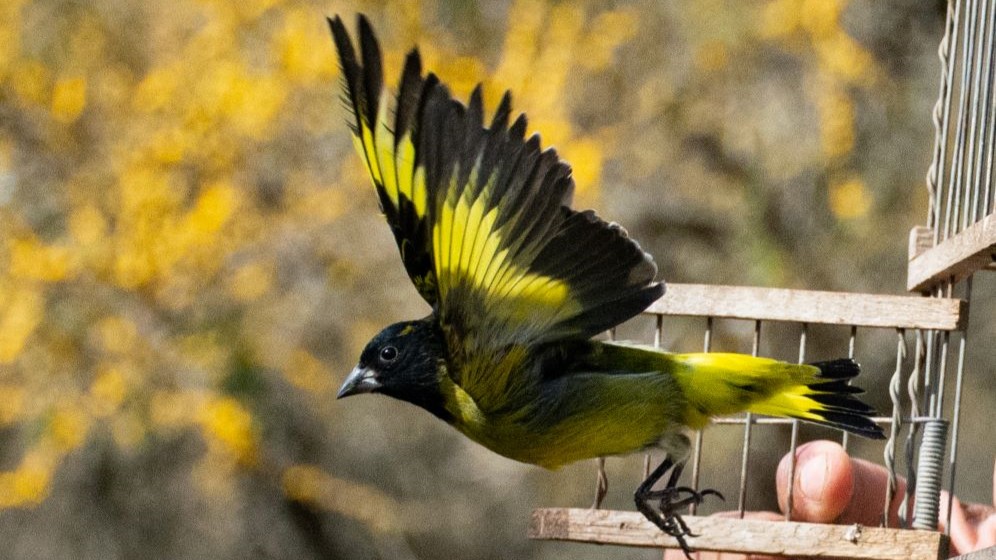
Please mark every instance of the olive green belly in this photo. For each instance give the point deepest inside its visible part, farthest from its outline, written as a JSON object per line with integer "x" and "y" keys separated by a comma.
{"x": 585, "y": 416}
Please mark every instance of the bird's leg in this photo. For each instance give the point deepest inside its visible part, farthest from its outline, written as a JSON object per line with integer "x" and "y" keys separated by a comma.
{"x": 601, "y": 484}
{"x": 671, "y": 499}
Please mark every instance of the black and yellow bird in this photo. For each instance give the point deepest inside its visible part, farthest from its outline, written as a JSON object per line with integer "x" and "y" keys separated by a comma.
{"x": 519, "y": 283}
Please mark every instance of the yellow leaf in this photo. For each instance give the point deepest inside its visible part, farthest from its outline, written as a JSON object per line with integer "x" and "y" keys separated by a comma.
{"x": 228, "y": 427}
{"x": 24, "y": 312}
{"x": 30, "y": 259}
{"x": 30, "y": 79}
{"x": 850, "y": 199}
{"x": 68, "y": 99}
{"x": 69, "y": 427}
{"x": 12, "y": 399}
{"x": 107, "y": 392}
{"x": 250, "y": 282}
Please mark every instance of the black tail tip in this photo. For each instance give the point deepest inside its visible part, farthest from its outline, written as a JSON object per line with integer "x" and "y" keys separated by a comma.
{"x": 844, "y": 368}
{"x": 840, "y": 408}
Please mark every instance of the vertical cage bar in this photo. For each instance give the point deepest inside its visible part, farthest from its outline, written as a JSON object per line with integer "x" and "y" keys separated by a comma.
{"x": 942, "y": 116}
{"x": 956, "y": 412}
{"x": 658, "y": 341}
{"x": 989, "y": 117}
{"x": 748, "y": 428}
{"x": 985, "y": 100}
{"x": 601, "y": 477}
{"x": 845, "y": 439}
{"x": 958, "y": 156}
{"x": 697, "y": 443}
{"x": 794, "y": 438}
{"x": 975, "y": 100}
{"x": 942, "y": 369}
{"x": 913, "y": 390}
{"x": 897, "y": 419}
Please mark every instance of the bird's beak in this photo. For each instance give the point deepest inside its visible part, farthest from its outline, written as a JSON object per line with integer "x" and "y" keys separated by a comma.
{"x": 360, "y": 380}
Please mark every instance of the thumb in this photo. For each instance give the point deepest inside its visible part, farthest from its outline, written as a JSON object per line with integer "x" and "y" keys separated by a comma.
{"x": 823, "y": 485}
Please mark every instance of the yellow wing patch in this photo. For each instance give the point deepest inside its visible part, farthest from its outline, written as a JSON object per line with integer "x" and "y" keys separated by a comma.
{"x": 392, "y": 171}
{"x": 466, "y": 247}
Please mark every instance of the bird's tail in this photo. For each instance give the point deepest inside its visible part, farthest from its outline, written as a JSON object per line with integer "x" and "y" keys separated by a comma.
{"x": 717, "y": 384}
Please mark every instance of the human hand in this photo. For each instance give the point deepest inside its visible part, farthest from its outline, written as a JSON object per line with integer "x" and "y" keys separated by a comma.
{"x": 832, "y": 487}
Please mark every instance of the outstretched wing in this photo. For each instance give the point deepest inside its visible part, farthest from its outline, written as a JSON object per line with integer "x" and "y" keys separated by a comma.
{"x": 389, "y": 148}
{"x": 482, "y": 218}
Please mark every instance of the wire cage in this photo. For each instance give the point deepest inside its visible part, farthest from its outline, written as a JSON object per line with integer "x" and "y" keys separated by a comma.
{"x": 928, "y": 338}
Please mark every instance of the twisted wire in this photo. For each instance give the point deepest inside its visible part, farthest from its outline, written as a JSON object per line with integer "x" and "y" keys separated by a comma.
{"x": 941, "y": 117}
{"x": 897, "y": 419}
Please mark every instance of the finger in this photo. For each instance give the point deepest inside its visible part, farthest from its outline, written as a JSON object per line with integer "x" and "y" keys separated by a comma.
{"x": 987, "y": 533}
{"x": 962, "y": 531}
{"x": 830, "y": 486}
{"x": 823, "y": 482}
{"x": 868, "y": 497}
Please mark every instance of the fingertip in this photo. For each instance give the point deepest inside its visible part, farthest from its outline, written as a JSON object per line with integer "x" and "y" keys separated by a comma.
{"x": 823, "y": 482}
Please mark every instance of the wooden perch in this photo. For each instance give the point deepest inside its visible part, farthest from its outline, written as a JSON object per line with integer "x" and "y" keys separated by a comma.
{"x": 955, "y": 258}
{"x": 813, "y": 307}
{"x": 720, "y": 534}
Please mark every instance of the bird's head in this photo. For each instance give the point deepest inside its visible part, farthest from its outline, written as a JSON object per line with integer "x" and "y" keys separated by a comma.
{"x": 402, "y": 361}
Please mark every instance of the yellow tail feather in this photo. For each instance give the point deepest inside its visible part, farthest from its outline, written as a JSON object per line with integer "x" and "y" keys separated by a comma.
{"x": 718, "y": 384}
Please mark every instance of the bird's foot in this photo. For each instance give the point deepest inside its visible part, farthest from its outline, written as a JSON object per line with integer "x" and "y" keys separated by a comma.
{"x": 669, "y": 501}
{"x": 665, "y": 516}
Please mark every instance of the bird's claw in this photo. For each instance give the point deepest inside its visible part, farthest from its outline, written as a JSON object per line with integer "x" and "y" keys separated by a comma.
{"x": 665, "y": 516}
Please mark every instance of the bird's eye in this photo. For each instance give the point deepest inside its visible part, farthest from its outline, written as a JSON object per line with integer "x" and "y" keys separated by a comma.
{"x": 388, "y": 353}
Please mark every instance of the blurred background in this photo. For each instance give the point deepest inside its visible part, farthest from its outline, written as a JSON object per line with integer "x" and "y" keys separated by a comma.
{"x": 191, "y": 256}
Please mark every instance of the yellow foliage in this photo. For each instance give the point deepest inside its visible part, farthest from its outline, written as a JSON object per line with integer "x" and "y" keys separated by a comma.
{"x": 312, "y": 485}
{"x": 128, "y": 430}
{"x": 117, "y": 335}
{"x": 585, "y": 155}
{"x": 227, "y": 426}
{"x": 780, "y": 18}
{"x": 213, "y": 208}
{"x": 850, "y": 199}
{"x": 12, "y": 398}
{"x": 10, "y": 39}
{"x": 821, "y": 18}
{"x": 24, "y": 311}
{"x": 157, "y": 89}
{"x": 713, "y": 56}
{"x": 68, "y": 427}
{"x": 30, "y": 80}
{"x": 844, "y": 57}
{"x": 87, "y": 226}
{"x": 836, "y": 122}
{"x": 28, "y": 485}
{"x": 306, "y": 372}
{"x": 608, "y": 31}
{"x": 300, "y": 45}
{"x": 32, "y": 260}
{"x": 173, "y": 409}
{"x": 250, "y": 282}
{"x": 107, "y": 392}
{"x": 68, "y": 99}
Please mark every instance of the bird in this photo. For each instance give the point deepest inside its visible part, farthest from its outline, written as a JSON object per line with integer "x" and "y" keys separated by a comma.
{"x": 521, "y": 284}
